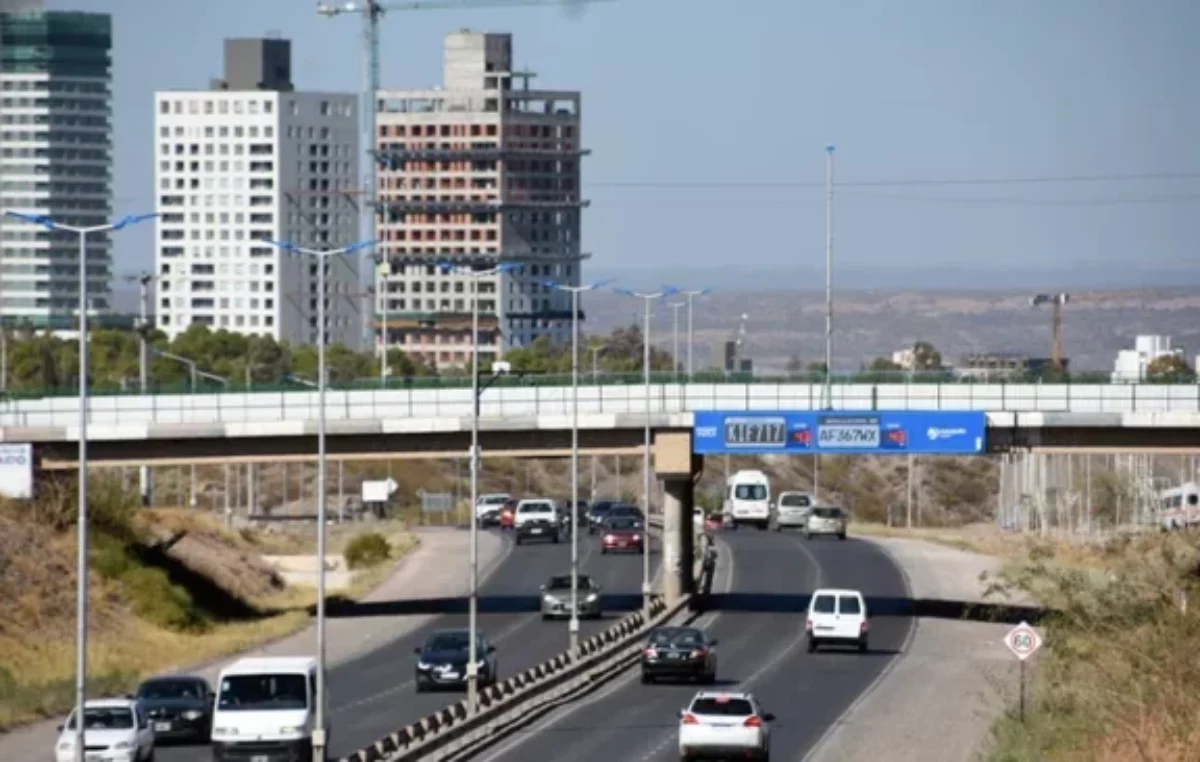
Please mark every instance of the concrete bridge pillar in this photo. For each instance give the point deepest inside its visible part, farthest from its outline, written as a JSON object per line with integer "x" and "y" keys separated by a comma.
{"x": 678, "y": 468}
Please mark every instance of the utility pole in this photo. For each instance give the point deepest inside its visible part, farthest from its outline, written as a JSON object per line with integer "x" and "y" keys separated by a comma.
{"x": 145, "y": 475}
{"x": 828, "y": 277}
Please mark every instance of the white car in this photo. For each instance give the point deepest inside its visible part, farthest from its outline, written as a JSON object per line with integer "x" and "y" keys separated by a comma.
{"x": 487, "y": 507}
{"x": 717, "y": 724}
{"x": 535, "y": 510}
{"x": 837, "y": 617}
{"x": 115, "y": 730}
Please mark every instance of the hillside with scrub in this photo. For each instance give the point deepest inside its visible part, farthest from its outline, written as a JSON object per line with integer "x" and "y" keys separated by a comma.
{"x": 168, "y": 589}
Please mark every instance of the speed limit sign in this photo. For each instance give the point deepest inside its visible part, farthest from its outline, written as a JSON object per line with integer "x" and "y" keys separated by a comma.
{"x": 1023, "y": 641}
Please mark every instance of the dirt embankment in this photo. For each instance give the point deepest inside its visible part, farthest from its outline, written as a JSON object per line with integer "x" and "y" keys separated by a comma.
{"x": 168, "y": 588}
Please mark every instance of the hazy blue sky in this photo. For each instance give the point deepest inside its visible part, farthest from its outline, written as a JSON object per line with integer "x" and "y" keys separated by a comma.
{"x": 750, "y": 91}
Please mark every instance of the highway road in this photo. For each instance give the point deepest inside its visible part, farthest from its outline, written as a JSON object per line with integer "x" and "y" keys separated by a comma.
{"x": 374, "y": 694}
{"x": 760, "y": 630}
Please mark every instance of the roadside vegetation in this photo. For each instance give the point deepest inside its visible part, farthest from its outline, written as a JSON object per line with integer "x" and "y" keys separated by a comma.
{"x": 168, "y": 589}
{"x": 1118, "y": 677}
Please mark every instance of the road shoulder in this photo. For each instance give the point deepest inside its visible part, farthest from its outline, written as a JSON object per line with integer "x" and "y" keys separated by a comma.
{"x": 939, "y": 698}
{"x": 430, "y": 570}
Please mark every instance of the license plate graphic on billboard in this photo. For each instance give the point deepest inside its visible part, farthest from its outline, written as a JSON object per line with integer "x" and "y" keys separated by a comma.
{"x": 932, "y": 432}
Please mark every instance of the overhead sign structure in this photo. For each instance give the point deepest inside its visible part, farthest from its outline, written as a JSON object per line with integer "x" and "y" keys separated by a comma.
{"x": 16, "y": 471}
{"x": 378, "y": 491}
{"x": 935, "y": 432}
{"x": 1023, "y": 641}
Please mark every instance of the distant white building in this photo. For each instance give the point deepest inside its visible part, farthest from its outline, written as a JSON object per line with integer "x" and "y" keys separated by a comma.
{"x": 905, "y": 358}
{"x": 245, "y": 163}
{"x": 1131, "y": 364}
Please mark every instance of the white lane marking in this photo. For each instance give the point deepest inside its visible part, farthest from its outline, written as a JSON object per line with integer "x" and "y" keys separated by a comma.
{"x": 913, "y": 623}
{"x": 771, "y": 663}
{"x": 500, "y": 637}
{"x": 559, "y": 715}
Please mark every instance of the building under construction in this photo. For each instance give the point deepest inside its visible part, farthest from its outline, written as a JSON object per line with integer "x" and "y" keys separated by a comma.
{"x": 482, "y": 171}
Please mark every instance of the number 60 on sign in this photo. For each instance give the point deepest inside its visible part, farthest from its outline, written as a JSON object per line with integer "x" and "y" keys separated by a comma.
{"x": 1023, "y": 641}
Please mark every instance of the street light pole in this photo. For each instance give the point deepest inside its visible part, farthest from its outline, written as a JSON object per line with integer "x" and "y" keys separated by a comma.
{"x": 675, "y": 306}
{"x": 145, "y": 475}
{"x": 386, "y": 270}
{"x": 81, "y": 603}
{"x": 320, "y": 732}
{"x": 574, "y": 291}
{"x": 829, "y": 277}
{"x": 476, "y": 392}
{"x": 690, "y": 336}
{"x": 648, "y": 298}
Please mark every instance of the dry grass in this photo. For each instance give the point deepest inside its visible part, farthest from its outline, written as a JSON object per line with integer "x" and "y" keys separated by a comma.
{"x": 37, "y": 584}
{"x": 1119, "y": 678}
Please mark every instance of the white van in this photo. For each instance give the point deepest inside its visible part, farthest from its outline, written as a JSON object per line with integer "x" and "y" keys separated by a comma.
{"x": 748, "y": 499}
{"x": 265, "y": 709}
{"x": 837, "y": 617}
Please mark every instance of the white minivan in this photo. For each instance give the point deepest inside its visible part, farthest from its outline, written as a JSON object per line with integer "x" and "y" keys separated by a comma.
{"x": 837, "y": 617}
{"x": 748, "y": 499}
{"x": 265, "y": 709}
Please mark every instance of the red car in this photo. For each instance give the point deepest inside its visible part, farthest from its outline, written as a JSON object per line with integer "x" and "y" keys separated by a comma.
{"x": 623, "y": 535}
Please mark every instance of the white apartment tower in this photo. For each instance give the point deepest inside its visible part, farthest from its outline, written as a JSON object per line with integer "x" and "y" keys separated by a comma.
{"x": 55, "y": 160}
{"x": 245, "y": 163}
{"x": 482, "y": 170}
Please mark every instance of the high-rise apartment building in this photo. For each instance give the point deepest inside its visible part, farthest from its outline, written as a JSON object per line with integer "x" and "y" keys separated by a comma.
{"x": 482, "y": 170}
{"x": 247, "y": 162}
{"x": 55, "y": 160}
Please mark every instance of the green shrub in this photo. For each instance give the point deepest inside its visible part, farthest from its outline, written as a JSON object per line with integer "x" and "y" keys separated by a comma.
{"x": 19, "y": 700}
{"x": 108, "y": 556}
{"x": 155, "y": 599}
{"x": 367, "y": 550}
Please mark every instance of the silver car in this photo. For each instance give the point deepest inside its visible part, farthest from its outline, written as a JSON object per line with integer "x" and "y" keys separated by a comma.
{"x": 556, "y": 598}
{"x": 793, "y": 510}
{"x": 826, "y": 520}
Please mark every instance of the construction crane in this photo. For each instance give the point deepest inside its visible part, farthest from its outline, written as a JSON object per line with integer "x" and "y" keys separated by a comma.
{"x": 372, "y": 12}
{"x": 1056, "y": 301}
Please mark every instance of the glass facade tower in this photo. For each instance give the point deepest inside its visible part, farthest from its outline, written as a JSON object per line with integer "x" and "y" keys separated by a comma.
{"x": 55, "y": 160}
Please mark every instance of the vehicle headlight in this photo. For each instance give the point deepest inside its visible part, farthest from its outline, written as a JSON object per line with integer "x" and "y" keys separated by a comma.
{"x": 192, "y": 715}
{"x": 66, "y": 745}
{"x": 423, "y": 665}
{"x": 591, "y": 598}
{"x": 550, "y": 599}
{"x": 120, "y": 745}
{"x": 291, "y": 730}
{"x": 224, "y": 731}
{"x": 481, "y": 664}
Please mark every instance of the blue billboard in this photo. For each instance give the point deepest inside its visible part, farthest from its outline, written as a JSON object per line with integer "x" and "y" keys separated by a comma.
{"x": 840, "y": 432}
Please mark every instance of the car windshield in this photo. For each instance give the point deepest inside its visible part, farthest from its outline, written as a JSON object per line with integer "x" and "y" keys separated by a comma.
{"x": 686, "y": 638}
{"x": 795, "y": 501}
{"x": 823, "y": 604}
{"x": 603, "y": 507}
{"x": 828, "y": 513}
{"x": 256, "y": 692}
{"x": 448, "y": 641}
{"x": 157, "y": 690}
{"x": 536, "y": 508}
{"x": 104, "y": 718}
{"x": 625, "y": 510}
{"x": 623, "y": 524}
{"x": 848, "y": 604}
{"x": 721, "y": 706}
{"x": 750, "y": 492}
{"x": 564, "y": 582}
{"x": 493, "y": 500}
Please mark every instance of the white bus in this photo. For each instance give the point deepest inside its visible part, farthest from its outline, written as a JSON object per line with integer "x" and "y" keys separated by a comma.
{"x": 1180, "y": 506}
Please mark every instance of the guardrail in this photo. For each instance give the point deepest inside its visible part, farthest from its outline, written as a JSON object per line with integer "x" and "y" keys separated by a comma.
{"x": 302, "y": 407}
{"x": 453, "y": 728}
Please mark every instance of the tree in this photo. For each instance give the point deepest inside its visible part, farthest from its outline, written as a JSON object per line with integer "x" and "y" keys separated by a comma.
{"x": 882, "y": 365}
{"x": 816, "y": 366}
{"x": 793, "y": 365}
{"x": 1170, "y": 369}
{"x": 926, "y": 356}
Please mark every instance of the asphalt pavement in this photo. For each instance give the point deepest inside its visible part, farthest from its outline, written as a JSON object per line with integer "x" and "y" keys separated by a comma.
{"x": 374, "y": 694}
{"x": 759, "y": 626}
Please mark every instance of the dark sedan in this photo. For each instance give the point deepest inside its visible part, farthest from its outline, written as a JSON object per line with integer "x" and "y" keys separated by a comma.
{"x": 442, "y": 661}
{"x": 626, "y": 511}
{"x": 598, "y": 513}
{"x": 623, "y": 535}
{"x": 680, "y": 653}
{"x": 179, "y": 707}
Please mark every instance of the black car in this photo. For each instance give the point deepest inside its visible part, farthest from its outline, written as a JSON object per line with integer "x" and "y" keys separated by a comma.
{"x": 598, "y": 513}
{"x": 179, "y": 707}
{"x": 626, "y": 511}
{"x": 580, "y": 514}
{"x": 680, "y": 653}
{"x": 537, "y": 529}
{"x": 442, "y": 661}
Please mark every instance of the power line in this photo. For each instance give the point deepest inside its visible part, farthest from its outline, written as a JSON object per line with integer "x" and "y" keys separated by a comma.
{"x": 1188, "y": 198}
{"x": 911, "y": 183}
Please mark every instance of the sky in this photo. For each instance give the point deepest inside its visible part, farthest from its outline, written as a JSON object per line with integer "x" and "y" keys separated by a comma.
{"x": 709, "y": 121}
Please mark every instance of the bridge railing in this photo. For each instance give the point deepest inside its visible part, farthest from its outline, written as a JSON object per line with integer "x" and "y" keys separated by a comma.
{"x": 301, "y": 406}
